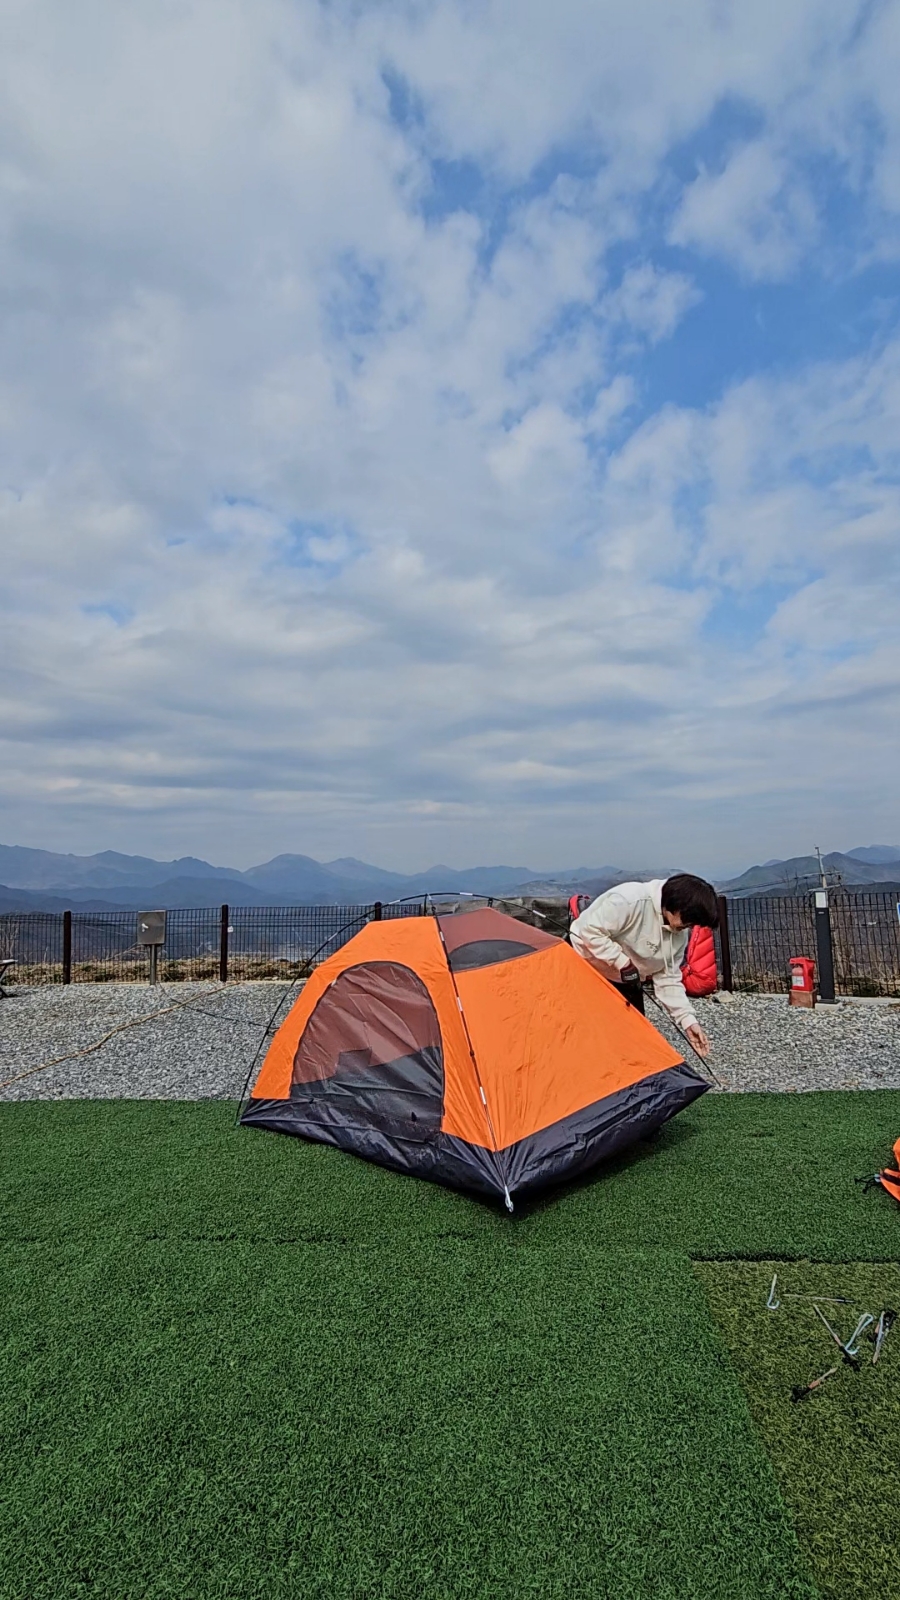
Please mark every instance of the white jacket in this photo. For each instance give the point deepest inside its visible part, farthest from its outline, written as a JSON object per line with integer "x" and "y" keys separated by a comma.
{"x": 625, "y": 927}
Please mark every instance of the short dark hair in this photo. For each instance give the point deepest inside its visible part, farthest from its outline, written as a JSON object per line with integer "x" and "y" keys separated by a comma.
{"x": 693, "y": 898}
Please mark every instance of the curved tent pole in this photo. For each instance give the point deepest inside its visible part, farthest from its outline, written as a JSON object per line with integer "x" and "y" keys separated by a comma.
{"x": 702, "y": 1059}
{"x": 307, "y": 963}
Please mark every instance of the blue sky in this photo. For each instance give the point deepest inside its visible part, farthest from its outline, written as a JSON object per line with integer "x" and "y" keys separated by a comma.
{"x": 460, "y": 431}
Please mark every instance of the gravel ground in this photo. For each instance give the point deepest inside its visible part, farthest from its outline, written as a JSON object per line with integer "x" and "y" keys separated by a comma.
{"x": 204, "y": 1049}
{"x": 759, "y": 1041}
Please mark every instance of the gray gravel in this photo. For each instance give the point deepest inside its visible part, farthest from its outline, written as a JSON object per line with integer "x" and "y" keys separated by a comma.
{"x": 203, "y": 1050}
{"x": 759, "y": 1041}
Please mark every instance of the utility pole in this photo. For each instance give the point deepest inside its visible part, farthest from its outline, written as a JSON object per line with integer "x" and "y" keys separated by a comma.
{"x": 823, "y": 876}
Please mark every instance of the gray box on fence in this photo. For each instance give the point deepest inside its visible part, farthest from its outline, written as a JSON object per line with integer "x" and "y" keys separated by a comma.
{"x": 151, "y": 927}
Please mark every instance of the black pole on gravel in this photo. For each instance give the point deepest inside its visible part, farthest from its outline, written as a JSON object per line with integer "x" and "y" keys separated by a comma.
{"x": 824, "y": 948}
{"x": 223, "y": 945}
{"x": 67, "y": 947}
{"x": 725, "y": 944}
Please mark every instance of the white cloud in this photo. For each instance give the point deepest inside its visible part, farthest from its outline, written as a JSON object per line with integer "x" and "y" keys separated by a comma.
{"x": 755, "y": 213}
{"x": 511, "y": 79}
{"x": 651, "y": 302}
{"x": 610, "y": 404}
{"x": 332, "y": 525}
{"x": 546, "y": 441}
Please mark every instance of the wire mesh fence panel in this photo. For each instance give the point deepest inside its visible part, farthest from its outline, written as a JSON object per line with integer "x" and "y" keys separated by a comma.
{"x": 865, "y": 932}
{"x": 262, "y": 941}
{"x": 191, "y": 950}
{"x": 271, "y": 941}
{"x": 274, "y": 941}
{"x": 105, "y": 947}
{"x": 34, "y": 941}
{"x": 404, "y": 908}
{"x": 765, "y": 932}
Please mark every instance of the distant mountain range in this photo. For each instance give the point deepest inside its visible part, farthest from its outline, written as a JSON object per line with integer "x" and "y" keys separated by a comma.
{"x": 41, "y": 880}
{"x": 44, "y": 880}
{"x": 868, "y": 866}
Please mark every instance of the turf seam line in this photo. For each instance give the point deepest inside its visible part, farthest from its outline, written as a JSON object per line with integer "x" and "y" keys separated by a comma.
{"x": 720, "y": 1259}
{"x": 346, "y": 1241}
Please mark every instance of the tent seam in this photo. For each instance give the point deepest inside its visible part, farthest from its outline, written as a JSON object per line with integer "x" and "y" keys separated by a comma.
{"x": 487, "y": 1113}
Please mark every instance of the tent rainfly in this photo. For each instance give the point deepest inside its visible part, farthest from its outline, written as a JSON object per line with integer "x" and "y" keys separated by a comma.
{"x": 469, "y": 1049}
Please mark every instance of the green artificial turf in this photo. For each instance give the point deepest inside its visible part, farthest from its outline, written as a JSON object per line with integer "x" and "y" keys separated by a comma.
{"x": 834, "y": 1450}
{"x": 235, "y": 1365}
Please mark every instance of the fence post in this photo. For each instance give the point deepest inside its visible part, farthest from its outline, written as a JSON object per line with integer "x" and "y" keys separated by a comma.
{"x": 824, "y": 948}
{"x": 376, "y": 911}
{"x": 223, "y": 945}
{"x": 725, "y": 944}
{"x": 67, "y": 947}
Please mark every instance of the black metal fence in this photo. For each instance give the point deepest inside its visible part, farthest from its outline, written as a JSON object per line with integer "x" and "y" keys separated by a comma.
{"x": 765, "y": 931}
{"x": 237, "y": 942}
{"x": 271, "y": 941}
{"x": 866, "y": 937}
{"x": 760, "y": 935}
{"x": 34, "y": 940}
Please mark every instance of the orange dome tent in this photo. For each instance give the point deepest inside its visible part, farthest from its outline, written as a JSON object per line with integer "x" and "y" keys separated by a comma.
{"x": 470, "y": 1049}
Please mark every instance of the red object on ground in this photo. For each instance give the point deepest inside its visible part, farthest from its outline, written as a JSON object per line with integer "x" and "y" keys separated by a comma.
{"x": 698, "y": 969}
{"x": 803, "y": 981}
{"x": 803, "y": 973}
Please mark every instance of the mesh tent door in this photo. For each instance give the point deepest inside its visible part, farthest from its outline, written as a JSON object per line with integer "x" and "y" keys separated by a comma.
{"x": 370, "y": 1055}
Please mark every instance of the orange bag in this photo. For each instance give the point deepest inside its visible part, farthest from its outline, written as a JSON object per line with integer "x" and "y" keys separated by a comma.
{"x": 889, "y": 1179}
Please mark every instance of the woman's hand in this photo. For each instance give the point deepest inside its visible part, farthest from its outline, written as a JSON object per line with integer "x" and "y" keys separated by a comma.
{"x": 698, "y": 1039}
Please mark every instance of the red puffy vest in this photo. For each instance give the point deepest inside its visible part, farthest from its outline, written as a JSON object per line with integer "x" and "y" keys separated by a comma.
{"x": 698, "y": 970}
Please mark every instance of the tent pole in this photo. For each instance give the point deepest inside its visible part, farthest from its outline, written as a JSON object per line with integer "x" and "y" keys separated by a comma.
{"x": 462, "y": 1017}
{"x": 702, "y": 1059}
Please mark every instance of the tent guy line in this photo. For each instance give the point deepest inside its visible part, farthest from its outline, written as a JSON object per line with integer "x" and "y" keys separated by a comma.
{"x": 702, "y": 1059}
{"x": 134, "y": 1022}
